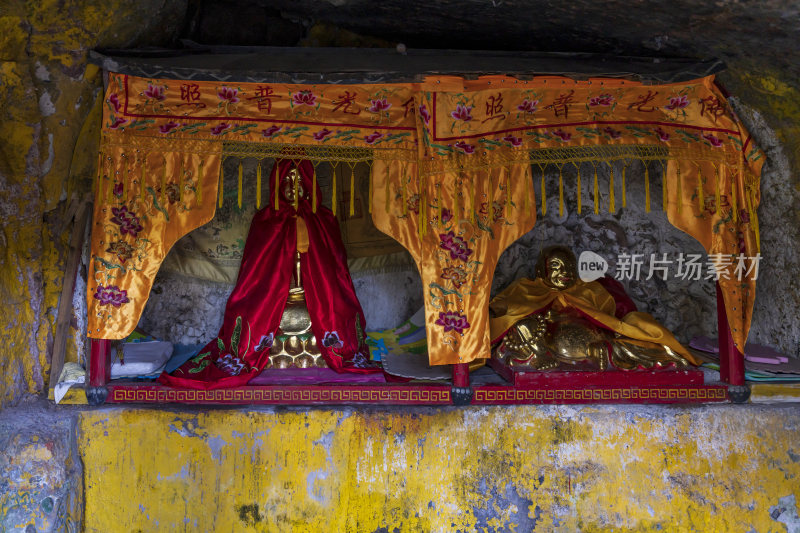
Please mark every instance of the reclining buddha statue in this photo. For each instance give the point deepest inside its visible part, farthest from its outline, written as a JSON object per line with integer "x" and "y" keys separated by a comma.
{"x": 294, "y": 304}
{"x": 559, "y": 321}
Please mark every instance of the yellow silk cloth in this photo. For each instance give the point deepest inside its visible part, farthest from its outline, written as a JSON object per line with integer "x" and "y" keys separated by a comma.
{"x": 526, "y": 296}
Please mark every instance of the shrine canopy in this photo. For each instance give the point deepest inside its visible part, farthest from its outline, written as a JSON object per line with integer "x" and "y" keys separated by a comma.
{"x": 452, "y": 162}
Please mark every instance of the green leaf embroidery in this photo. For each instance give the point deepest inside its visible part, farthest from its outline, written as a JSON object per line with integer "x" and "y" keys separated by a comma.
{"x": 237, "y": 334}
{"x": 201, "y": 367}
{"x": 220, "y": 345}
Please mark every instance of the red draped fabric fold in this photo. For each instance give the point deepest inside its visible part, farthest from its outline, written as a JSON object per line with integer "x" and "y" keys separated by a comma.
{"x": 254, "y": 308}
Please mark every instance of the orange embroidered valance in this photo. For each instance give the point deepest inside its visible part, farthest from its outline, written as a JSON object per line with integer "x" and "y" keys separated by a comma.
{"x": 456, "y": 165}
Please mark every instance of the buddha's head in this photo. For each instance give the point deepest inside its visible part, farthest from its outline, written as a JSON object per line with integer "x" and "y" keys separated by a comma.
{"x": 292, "y": 185}
{"x": 557, "y": 267}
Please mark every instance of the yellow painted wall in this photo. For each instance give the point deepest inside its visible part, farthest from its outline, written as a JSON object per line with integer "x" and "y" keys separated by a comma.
{"x": 615, "y": 468}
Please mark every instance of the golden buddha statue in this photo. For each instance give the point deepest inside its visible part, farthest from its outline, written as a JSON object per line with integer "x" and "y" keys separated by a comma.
{"x": 557, "y": 320}
{"x": 295, "y": 346}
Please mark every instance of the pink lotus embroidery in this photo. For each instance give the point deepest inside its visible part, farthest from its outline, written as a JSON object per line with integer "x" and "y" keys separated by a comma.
{"x": 453, "y": 321}
{"x": 423, "y": 112}
{"x": 228, "y": 95}
{"x": 604, "y": 100}
{"x": 462, "y": 112}
{"x": 331, "y": 340}
{"x": 662, "y": 135}
{"x": 118, "y": 121}
{"x": 168, "y": 127}
{"x": 232, "y": 364}
{"x": 379, "y": 105}
{"x": 528, "y": 106}
{"x": 111, "y": 295}
{"x": 220, "y": 128}
{"x": 677, "y": 102}
{"x": 127, "y": 221}
{"x": 321, "y": 134}
{"x": 114, "y": 101}
{"x": 515, "y": 141}
{"x": 464, "y": 147}
{"x": 497, "y": 210}
{"x": 456, "y": 274}
{"x": 564, "y": 136}
{"x": 272, "y": 130}
{"x": 372, "y": 137}
{"x": 715, "y": 141}
{"x": 447, "y": 215}
{"x": 455, "y": 245}
{"x": 118, "y": 188}
{"x": 154, "y": 92}
{"x": 611, "y": 132}
{"x": 304, "y": 98}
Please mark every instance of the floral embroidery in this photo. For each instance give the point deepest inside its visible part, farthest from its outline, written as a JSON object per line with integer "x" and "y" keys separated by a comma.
{"x": 677, "y": 102}
{"x": 265, "y": 342}
{"x": 515, "y": 141}
{"x": 168, "y": 127}
{"x": 413, "y": 203}
{"x": 331, "y": 340}
{"x": 231, "y": 364}
{"x": 455, "y": 245}
{"x": 220, "y": 128}
{"x": 715, "y": 141}
{"x": 564, "y": 136}
{"x": 497, "y": 210}
{"x": 321, "y": 134}
{"x": 379, "y": 105}
{"x": 604, "y": 100}
{"x": 453, "y": 321}
{"x": 272, "y": 130}
{"x": 304, "y": 98}
{"x": 172, "y": 192}
{"x": 662, "y": 135}
{"x": 111, "y": 295}
{"x": 447, "y": 215}
{"x": 423, "y": 112}
{"x": 611, "y": 132}
{"x": 462, "y": 112}
{"x": 118, "y": 121}
{"x": 711, "y": 206}
{"x": 228, "y": 95}
{"x": 744, "y": 216}
{"x": 464, "y": 147}
{"x": 122, "y": 250}
{"x": 528, "y": 106}
{"x": 118, "y": 188}
{"x": 127, "y": 221}
{"x": 113, "y": 99}
{"x": 154, "y": 92}
{"x": 456, "y": 274}
{"x": 372, "y": 137}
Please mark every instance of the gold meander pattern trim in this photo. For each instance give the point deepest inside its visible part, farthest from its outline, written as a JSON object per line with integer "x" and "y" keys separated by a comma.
{"x": 575, "y": 395}
{"x": 281, "y": 396}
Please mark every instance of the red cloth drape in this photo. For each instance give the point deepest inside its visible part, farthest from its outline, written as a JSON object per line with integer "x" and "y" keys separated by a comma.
{"x": 254, "y": 309}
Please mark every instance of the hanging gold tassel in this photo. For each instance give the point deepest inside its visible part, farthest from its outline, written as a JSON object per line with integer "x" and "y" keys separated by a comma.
{"x": 369, "y": 194}
{"x": 404, "y": 193}
{"x": 388, "y": 190}
{"x": 680, "y": 186}
{"x": 333, "y": 192}
{"x": 198, "y": 187}
{"x": 544, "y": 193}
{"x": 456, "y": 209}
{"x": 258, "y": 186}
{"x": 717, "y": 193}
{"x": 143, "y": 177}
{"x": 527, "y": 190}
{"x": 561, "y": 190}
{"x": 277, "y": 185}
{"x": 352, "y": 189}
{"x": 664, "y": 191}
{"x": 646, "y": 186}
{"x": 753, "y": 219}
{"x": 508, "y": 194}
{"x": 490, "y": 198}
{"x": 239, "y": 181}
{"x": 700, "y": 193}
{"x": 579, "y": 192}
{"x": 164, "y": 183}
{"x": 472, "y": 200}
{"x": 314, "y": 189}
{"x": 422, "y": 220}
{"x": 734, "y": 200}
{"x": 624, "y": 193}
{"x": 612, "y": 206}
{"x": 296, "y": 191}
{"x": 180, "y": 183}
{"x": 221, "y": 186}
{"x": 596, "y": 192}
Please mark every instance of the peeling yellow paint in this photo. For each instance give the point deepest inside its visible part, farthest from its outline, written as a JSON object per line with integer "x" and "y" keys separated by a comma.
{"x": 477, "y": 469}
